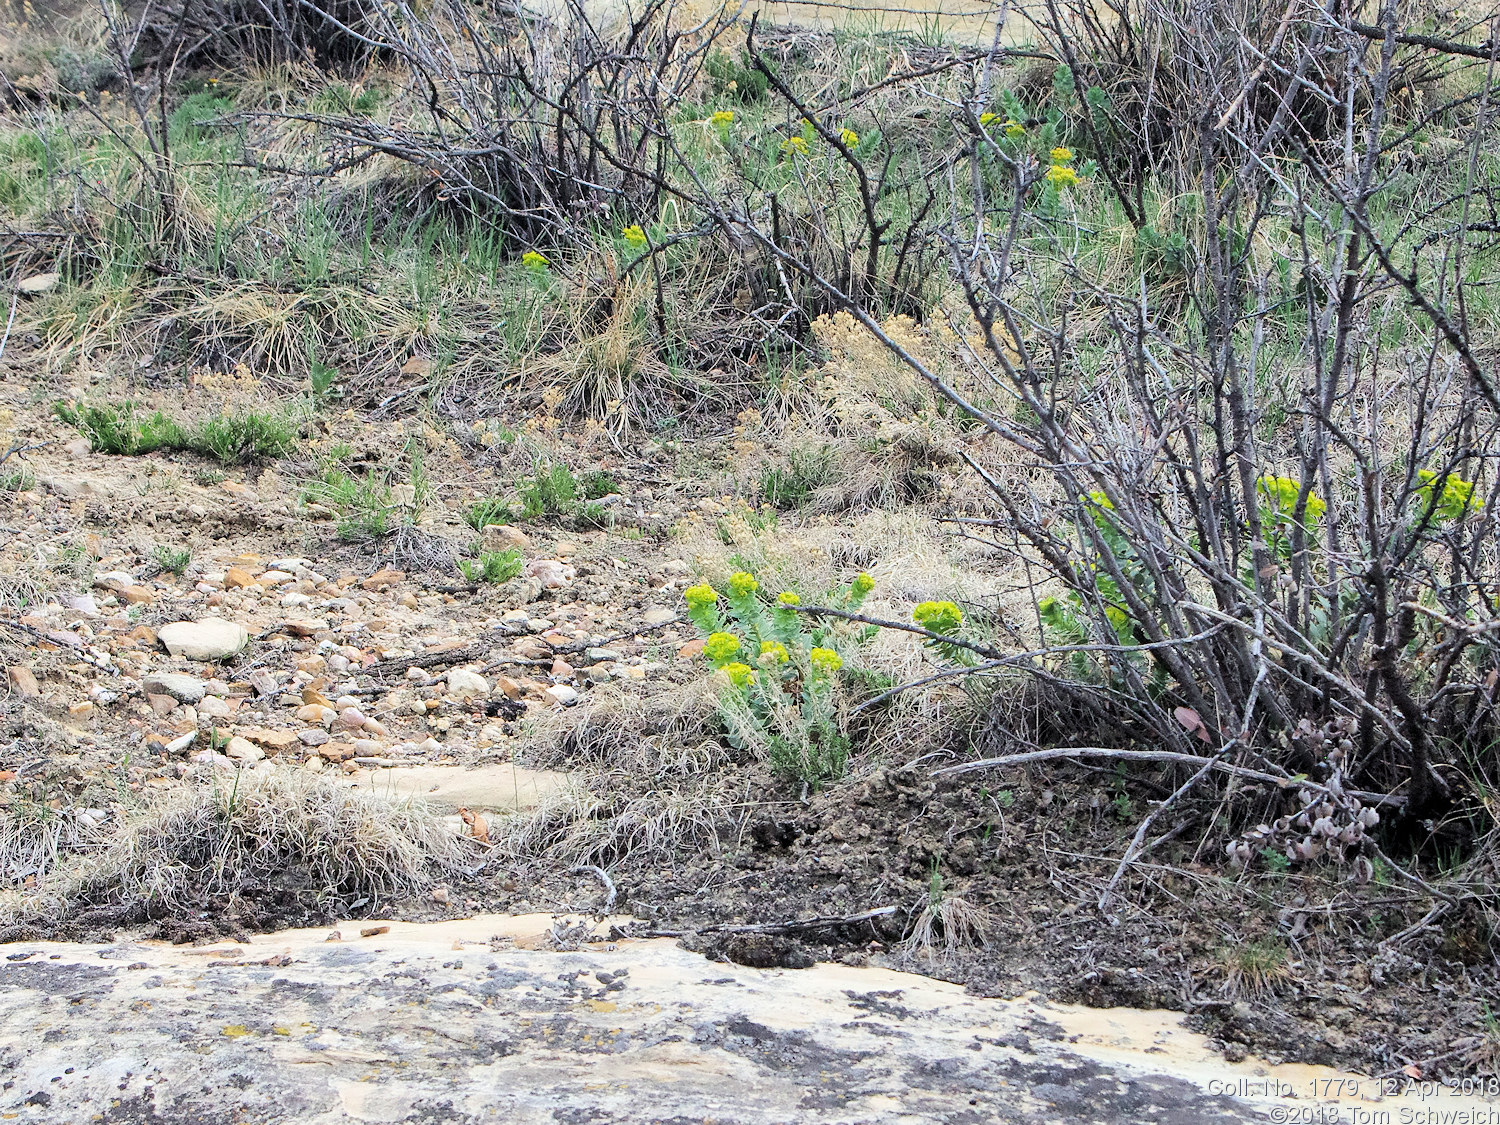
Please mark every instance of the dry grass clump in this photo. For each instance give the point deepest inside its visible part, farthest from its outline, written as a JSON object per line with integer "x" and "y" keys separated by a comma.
{"x": 262, "y": 830}
{"x": 648, "y": 773}
{"x": 945, "y": 924}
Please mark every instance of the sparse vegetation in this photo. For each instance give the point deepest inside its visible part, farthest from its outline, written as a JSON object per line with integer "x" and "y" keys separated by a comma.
{"x": 173, "y": 559}
{"x": 229, "y": 438}
{"x": 492, "y": 566}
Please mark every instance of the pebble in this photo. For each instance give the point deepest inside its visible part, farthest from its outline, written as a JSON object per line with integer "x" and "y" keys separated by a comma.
{"x": 244, "y": 751}
{"x": 603, "y": 655}
{"x": 316, "y": 713}
{"x": 657, "y": 616}
{"x": 212, "y": 638}
{"x": 504, "y": 537}
{"x": 181, "y": 742}
{"x": 351, "y": 718}
{"x": 561, "y": 694}
{"x": 215, "y": 708}
{"x": 23, "y": 681}
{"x": 313, "y": 736}
{"x": 466, "y": 684}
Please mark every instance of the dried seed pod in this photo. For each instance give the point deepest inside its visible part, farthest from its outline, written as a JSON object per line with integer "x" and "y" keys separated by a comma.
{"x": 1369, "y": 817}
{"x": 1363, "y": 870}
{"x": 1324, "y": 826}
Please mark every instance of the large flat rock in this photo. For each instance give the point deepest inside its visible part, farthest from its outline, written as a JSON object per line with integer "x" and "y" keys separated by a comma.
{"x": 472, "y": 1021}
{"x": 494, "y": 788}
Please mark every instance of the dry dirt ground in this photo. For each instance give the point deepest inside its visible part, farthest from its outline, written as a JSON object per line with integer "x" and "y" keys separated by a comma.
{"x": 576, "y": 691}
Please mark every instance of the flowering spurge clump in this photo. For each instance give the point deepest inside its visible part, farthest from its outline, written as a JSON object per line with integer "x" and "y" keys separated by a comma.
{"x": 781, "y": 671}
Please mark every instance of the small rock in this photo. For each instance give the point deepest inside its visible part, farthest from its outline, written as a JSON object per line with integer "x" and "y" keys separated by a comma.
{"x": 181, "y": 742}
{"x": 677, "y": 569}
{"x": 561, "y": 694}
{"x": 603, "y": 655}
{"x": 244, "y": 751}
{"x": 466, "y": 684}
{"x": 315, "y": 736}
{"x": 336, "y": 751}
{"x": 551, "y": 573}
{"x": 275, "y": 578}
{"x": 507, "y": 687}
{"x": 215, "y": 708}
{"x": 564, "y": 549}
{"x": 304, "y": 626}
{"x": 23, "y": 681}
{"x": 690, "y": 650}
{"x": 415, "y": 674}
{"x": 184, "y": 689}
{"x": 235, "y": 578}
{"x": 162, "y": 705}
{"x": 272, "y": 741}
{"x": 657, "y": 616}
{"x": 561, "y": 669}
{"x": 598, "y": 674}
{"x": 294, "y": 600}
{"x": 316, "y": 713}
{"x": 263, "y": 682}
{"x": 37, "y": 283}
{"x": 366, "y": 748}
{"x": 213, "y": 638}
{"x": 351, "y": 718}
{"x": 138, "y": 595}
{"x": 503, "y": 537}
{"x": 383, "y": 579}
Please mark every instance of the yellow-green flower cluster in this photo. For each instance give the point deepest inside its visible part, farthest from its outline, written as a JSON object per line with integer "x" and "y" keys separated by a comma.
{"x": 723, "y": 118}
{"x": 742, "y": 585}
{"x": 1061, "y": 155}
{"x": 795, "y": 146}
{"x": 700, "y": 596}
{"x": 774, "y": 651}
{"x": 849, "y": 137}
{"x": 1281, "y": 493}
{"x": 1456, "y": 499}
{"x": 861, "y": 585}
{"x": 788, "y": 598}
{"x": 634, "y": 235}
{"x": 533, "y": 260}
{"x": 739, "y": 674}
{"x": 1060, "y": 175}
{"x": 938, "y": 617}
{"x": 720, "y": 647}
{"x": 825, "y": 660}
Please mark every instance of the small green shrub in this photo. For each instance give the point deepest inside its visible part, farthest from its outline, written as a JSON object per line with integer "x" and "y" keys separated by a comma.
{"x": 117, "y": 429}
{"x": 792, "y": 485}
{"x": 781, "y": 672}
{"x": 17, "y": 479}
{"x": 550, "y": 492}
{"x": 322, "y": 381}
{"x": 492, "y": 566}
{"x": 228, "y": 438}
{"x": 234, "y": 439}
{"x": 597, "y": 484}
{"x": 482, "y": 513}
{"x": 173, "y": 559}
{"x": 364, "y": 505}
{"x": 736, "y": 77}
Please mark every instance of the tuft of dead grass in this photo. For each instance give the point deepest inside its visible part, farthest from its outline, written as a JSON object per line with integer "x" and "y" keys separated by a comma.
{"x": 650, "y": 777}
{"x": 235, "y": 837}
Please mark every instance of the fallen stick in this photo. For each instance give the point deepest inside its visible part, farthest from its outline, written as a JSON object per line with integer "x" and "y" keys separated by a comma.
{"x": 1159, "y": 756}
